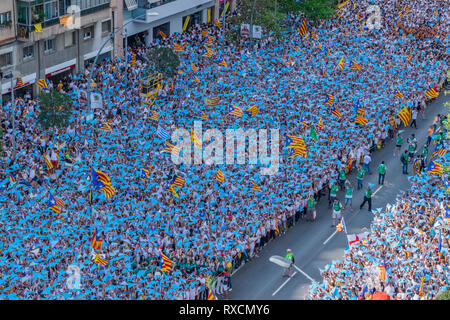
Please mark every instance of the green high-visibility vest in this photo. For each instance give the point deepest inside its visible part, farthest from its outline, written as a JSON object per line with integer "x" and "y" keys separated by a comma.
{"x": 360, "y": 174}
{"x": 334, "y": 190}
{"x": 368, "y": 194}
{"x": 342, "y": 175}
{"x": 349, "y": 191}
{"x": 337, "y": 206}
{"x": 311, "y": 203}
{"x": 399, "y": 141}
{"x": 290, "y": 256}
{"x": 382, "y": 168}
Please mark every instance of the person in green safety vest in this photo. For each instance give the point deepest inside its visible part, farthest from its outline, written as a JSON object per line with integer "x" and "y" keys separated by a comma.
{"x": 311, "y": 207}
{"x": 348, "y": 195}
{"x": 360, "y": 176}
{"x": 381, "y": 172}
{"x": 398, "y": 145}
{"x": 367, "y": 198}
{"x": 290, "y": 257}
{"x": 337, "y": 206}
{"x": 342, "y": 178}
{"x": 333, "y": 192}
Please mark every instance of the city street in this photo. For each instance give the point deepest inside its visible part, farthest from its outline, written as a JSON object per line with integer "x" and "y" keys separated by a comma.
{"x": 316, "y": 244}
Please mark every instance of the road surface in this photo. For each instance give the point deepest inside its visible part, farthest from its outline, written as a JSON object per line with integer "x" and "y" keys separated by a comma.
{"x": 316, "y": 244}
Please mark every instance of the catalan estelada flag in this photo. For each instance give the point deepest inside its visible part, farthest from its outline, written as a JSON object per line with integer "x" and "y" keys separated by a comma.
{"x": 218, "y": 23}
{"x": 302, "y": 30}
{"x": 439, "y": 150}
{"x": 194, "y": 67}
{"x": 99, "y": 260}
{"x": 255, "y": 186}
{"x": 234, "y": 110}
{"x": 341, "y": 226}
{"x": 47, "y": 162}
{"x": 432, "y": 93}
{"x": 104, "y": 126}
{"x": 253, "y": 110}
{"x": 144, "y": 174}
{"x": 210, "y": 41}
{"x": 154, "y": 116}
{"x": 398, "y": 94}
{"x": 170, "y": 148}
{"x": 172, "y": 189}
{"x": 320, "y": 124}
{"x": 166, "y": 263}
{"x": 382, "y": 267}
{"x": 19, "y": 83}
{"x": 12, "y": 178}
{"x": 355, "y": 66}
{"x": 416, "y": 166}
{"x": 211, "y": 295}
{"x": 330, "y": 99}
{"x": 336, "y": 112}
{"x": 360, "y": 120}
{"x": 205, "y": 32}
{"x": 42, "y": 83}
{"x": 223, "y": 63}
{"x": 220, "y": 176}
{"x": 207, "y": 52}
{"x": 196, "y": 79}
{"x": 96, "y": 242}
{"x": 341, "y": 63}
{"x": 196, "y": 140}
{"x": 204, "y": 116}
{"x": 212, "y": 102}
{"x": 405, "y": 115}
{"x": 178, "y": 181}
{"x": 52, "y": 205}
{"x": 108, "y": 190}
{"x": 435, "y": 168}
{"x": 178, "y": 47}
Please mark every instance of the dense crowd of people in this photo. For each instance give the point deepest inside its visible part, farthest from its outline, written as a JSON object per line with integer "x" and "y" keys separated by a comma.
{"x": 211, "y": 227}
{"x": 405, "y": 254}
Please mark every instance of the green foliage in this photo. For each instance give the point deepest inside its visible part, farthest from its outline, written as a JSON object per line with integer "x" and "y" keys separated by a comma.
{"x": 266, "y": 13}
{"x": 444, "y": 296}
{"x": 163, "y": 60}
{"x": 288, "y": 6}
{"x": 318, "y": 9}
{"x": 55, "y": 109}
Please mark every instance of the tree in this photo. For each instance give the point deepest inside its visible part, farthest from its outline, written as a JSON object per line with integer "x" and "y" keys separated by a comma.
{"x": 288, "y": 6}
{"x": 318, "y": 9}
{"x": 163, "y": 60}
{"x": 444, "y": 296}
{"x": 55, "y": 109}
{"x": 265, "y": 13}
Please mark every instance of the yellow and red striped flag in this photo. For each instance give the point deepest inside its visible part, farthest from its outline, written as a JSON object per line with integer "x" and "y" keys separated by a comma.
{"x": 220, "y": 176}
{"x": 405, "y": 115}
{"x": 196, "y": 140}
{"x": 432, "y": 93}
{"x": 398, "y": 94}
{"x": 170, "y": 148}
{"x": 167, "y": 263}
{"x": 154, "y": 116}
{"x": 341, "y": 63}
{"x": 361, "y": 120}
{"x": 234, "y": 110}
{"x": 303, "y": 28}
{"x": 178, "y": 47}
{"x": 162, "y": 34}
{"x": 255, "y": 186}
{"x": 336, "y": 112}
{"x": 100, "y": 261}
{"x": 253, "y": 110}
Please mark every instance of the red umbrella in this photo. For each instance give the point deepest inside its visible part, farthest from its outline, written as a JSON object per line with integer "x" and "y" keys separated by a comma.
{"x": 381, "y": 296}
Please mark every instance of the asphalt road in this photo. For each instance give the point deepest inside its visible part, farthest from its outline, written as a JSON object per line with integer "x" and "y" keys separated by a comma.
{"x": 261, "y": 279}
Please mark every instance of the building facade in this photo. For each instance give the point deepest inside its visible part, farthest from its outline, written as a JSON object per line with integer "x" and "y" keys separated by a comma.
{"x": 54, "y": 39}
{"x": 51, "y": 39}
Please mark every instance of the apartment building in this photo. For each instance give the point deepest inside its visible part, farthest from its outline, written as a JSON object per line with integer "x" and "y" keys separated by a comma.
{"x": 50, "y": 39}
{"x": 171, "y": 16}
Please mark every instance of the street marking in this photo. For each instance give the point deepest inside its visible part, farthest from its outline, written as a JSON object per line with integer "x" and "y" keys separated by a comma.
{"x": 301, "y": 271}
{"x": 329, "y": 238}
{"x": 284, "y": 283}
{"x": 377, "y": 190}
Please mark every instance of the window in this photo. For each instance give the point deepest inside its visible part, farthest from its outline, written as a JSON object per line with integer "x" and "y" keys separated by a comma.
{"x": 69, "y": 38}
{"x": 49, "y": 45}
{"x": 106, "y": 26}
{"x": 51, "y": 10}
{"x": 28, "y": 52}
{"x": 5, "y": 59}
{"x": 88, "y": 32}
{"x": 5, "y": 17}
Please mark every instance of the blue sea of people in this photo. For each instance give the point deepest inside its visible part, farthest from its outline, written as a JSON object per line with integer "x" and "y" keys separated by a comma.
{"x": 210, "y": 228}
